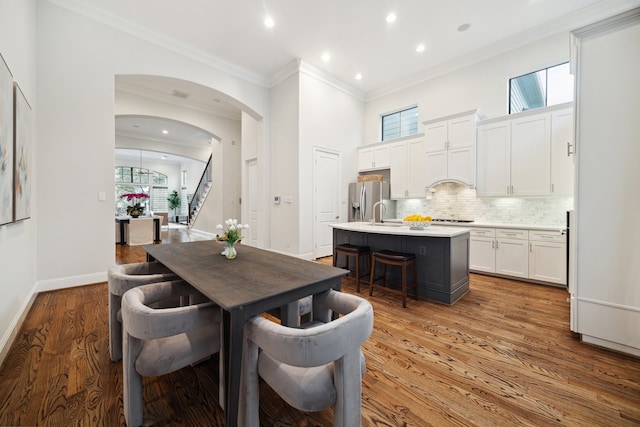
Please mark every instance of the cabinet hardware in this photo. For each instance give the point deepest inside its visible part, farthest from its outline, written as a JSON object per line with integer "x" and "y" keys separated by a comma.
{"x": 493, "y": 244}
{"x": 569, "y": 152}
{"x": 512, "y": 189}
{"x": 530, "y": 247}
{"x": 552, "y": 189}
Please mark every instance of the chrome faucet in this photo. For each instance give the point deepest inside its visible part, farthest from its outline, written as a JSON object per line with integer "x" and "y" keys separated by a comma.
{"x": 373, "y": 217}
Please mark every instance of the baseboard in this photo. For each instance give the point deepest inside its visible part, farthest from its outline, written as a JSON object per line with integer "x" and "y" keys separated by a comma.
{"x": 71, "y": 281}
{"x": 16, "y": 324}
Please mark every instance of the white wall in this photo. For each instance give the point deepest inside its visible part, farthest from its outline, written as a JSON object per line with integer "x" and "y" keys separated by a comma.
{"x": 78, "y": 60}
{"x": 18, "y": 262}
{"x": 285, "y": 126}
{"x": 483, "y": 85}
{"x": 329, "y": 118}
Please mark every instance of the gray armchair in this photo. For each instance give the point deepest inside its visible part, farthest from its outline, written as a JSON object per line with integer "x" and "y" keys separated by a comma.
{"x": 121, "y": 278}
{"x": 159, "y": 341}
{"x": 310, "y": 368}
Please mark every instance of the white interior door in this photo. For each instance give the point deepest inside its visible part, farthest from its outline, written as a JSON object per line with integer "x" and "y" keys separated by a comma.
{"x": 327, "y": 177}
{"x": 252, "y": 202}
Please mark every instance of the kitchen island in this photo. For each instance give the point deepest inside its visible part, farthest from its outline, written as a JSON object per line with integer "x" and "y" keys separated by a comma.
{"x": 442, "y": 254}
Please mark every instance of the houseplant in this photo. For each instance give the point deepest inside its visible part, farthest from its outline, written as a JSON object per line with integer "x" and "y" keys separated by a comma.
{"x": 174, "y": 202}
{"x": 135, "y": 209}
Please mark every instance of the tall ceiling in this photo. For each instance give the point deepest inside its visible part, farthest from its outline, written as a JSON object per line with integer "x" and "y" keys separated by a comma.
{"x": 354, "y": 33}
{"x": 232, "y": 35}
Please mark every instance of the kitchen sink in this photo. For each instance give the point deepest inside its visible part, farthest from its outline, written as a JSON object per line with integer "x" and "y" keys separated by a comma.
{"x": 388, "y": 224}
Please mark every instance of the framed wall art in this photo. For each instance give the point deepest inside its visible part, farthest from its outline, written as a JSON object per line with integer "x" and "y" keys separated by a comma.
{"x": 6, "y": 143}
{"x": 22, "y": 152}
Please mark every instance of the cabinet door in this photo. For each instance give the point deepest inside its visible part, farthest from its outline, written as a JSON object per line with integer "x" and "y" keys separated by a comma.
{"x": 461, "y": 165}
{"x": 531, "y": 156}
{"x": 381, "y": 157}
{"x": 435, "y": 167}
{"x": 561, "y": 160}
{"x": 482, "y": 254}
{"x": 399, "y": 173}
{"x": 548, "y": 262}
{"x": 365, "y": 159}
{"x": 493, "y": 178}
{"x": 416, "y": 181}
{"x": 462, "y": 132}
{"x": 512, "y": 257}
{"x": 435, "y": 136}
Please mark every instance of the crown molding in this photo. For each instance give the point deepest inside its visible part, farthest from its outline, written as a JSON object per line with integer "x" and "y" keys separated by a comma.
{"x": 82, "y": 9}
{"x": 298, "y": 66}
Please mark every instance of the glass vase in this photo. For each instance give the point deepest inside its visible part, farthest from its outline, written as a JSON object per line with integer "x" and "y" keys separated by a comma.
{"x": 231, "y": 249}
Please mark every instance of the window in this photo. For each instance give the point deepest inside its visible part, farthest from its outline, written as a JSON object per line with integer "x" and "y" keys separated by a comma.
{"x": 400, "y": 123}
{"x": 549, "y": 86}
{"x": 136, "y": 180}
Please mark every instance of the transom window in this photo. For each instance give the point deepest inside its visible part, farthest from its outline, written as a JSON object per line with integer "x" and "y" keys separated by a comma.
{"x": 400, "y": 123}
{"x": 542, "y": 88}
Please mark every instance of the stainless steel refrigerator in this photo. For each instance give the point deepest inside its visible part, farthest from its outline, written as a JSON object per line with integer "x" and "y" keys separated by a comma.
{"x": 362, "y": 197}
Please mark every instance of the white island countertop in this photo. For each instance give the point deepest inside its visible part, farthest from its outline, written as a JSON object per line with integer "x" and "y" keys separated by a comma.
{"x": 400, "y": 230}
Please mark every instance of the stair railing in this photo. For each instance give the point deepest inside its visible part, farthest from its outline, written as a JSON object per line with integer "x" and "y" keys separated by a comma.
{"x": 200, "y": 192}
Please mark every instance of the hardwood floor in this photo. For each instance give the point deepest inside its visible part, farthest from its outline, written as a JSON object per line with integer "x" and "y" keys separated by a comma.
{"x": 502, "y": 355}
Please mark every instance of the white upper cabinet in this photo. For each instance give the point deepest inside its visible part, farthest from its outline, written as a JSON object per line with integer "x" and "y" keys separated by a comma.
{"x": 376, "y": 157}
{"x": 450, "y": 146}
{"x": 494, "y": 159}
{"x": 407, "y": 169}
{"x": 531, "y": 155}
{"x": 522, "y": 154}
{"x": 562, "y": 152}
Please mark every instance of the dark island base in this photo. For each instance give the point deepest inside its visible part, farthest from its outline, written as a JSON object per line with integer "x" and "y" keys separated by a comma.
{"x": 442, "y": 262}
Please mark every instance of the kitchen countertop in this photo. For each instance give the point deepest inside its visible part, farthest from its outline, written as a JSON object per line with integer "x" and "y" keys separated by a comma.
{"x": 491, "y": 225}
{"x": 401, "y": 230}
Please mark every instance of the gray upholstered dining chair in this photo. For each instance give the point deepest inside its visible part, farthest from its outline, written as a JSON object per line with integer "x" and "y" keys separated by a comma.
{"x": 157, "y": 341}
{"x": 121, "y": 278}
{"x": 310, "y": 368}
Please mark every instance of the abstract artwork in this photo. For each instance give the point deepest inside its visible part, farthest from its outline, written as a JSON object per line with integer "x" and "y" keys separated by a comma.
{"x": 22, "y": 151}
{"x": 6, "y": 144}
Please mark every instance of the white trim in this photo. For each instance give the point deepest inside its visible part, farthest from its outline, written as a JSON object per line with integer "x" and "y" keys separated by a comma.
{"x": 16, "y": 324}
{"x": 71, "y": 281}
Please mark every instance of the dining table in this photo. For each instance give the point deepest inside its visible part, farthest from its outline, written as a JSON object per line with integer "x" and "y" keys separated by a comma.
{"x": 254, "y": 282}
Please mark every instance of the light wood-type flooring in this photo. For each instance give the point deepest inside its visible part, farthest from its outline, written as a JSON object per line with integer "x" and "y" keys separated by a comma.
{"x": 501, "y": 356}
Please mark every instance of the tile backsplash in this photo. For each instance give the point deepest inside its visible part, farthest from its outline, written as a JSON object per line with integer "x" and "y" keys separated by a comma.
{"x": 456, "y": 201}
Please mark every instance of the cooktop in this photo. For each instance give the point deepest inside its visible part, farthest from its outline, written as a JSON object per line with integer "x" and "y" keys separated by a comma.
{"x": 451, "y": 220}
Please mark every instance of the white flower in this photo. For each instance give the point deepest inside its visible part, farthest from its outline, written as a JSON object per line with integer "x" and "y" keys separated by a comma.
{"x": 219, "y": 227}
{"x": 246, "y": 226}
{"x": 232, "y": 227}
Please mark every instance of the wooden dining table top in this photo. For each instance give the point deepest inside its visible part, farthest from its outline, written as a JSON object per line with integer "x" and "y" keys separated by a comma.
{"x": 254, "y": 276}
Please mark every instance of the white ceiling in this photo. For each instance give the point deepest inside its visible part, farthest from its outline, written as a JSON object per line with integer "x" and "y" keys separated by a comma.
{"x": 231, "y": 34}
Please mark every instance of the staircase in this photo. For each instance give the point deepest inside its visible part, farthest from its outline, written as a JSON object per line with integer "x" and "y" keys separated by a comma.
{"x": 200, "y": 195}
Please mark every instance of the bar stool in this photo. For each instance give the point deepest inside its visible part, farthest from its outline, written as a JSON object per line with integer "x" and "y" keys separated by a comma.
{"x": 349, "y": 250}
{"x": 397, "y": 259}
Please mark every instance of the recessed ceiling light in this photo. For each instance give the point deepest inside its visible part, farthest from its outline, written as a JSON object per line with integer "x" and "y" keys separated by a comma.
{"x": 420, "y": 48}
{"x": 391, "y": 17}
{"x": 165, "y": 131}
{"x": 464, "y": 27}
{"x": 268, "y": 22}
{"x": 164, "y": 157}
{"x": 326, "y": 57}
{"x": 358, "y": 76}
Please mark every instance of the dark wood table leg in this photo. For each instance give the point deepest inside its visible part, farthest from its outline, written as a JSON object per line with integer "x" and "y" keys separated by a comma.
{"x": 122, "y": 242}
{"x": 233, "y": 323}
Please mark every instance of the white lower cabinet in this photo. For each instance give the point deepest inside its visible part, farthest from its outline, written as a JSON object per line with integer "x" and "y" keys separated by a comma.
{"x": 482, "y": 250}
{"x": 547, "y": 256}
{"x": 520, "y": 253}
